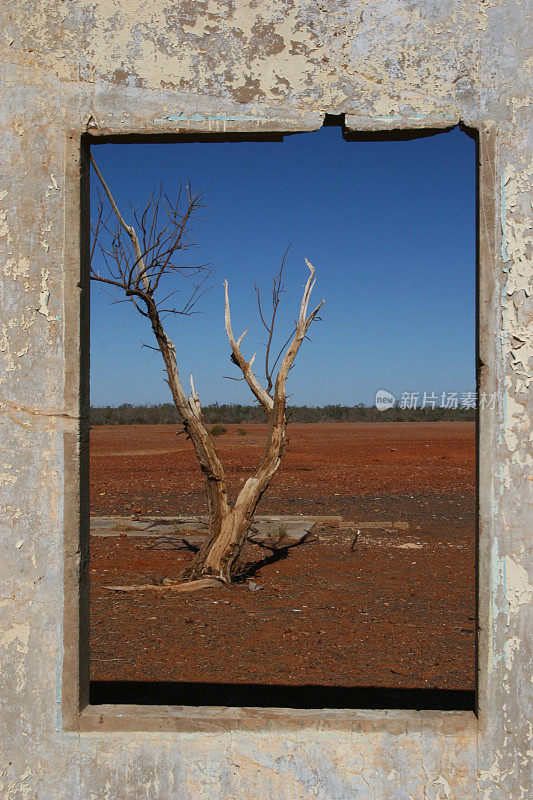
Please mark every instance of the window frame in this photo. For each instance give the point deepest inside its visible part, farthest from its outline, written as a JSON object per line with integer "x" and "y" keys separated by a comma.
{"x": 77, "y": 713}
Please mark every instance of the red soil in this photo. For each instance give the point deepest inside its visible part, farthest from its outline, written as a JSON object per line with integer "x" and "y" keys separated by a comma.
{"x": 398, "y": 611}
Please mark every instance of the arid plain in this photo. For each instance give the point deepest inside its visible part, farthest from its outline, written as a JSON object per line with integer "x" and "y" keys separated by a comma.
{"x": 380, "y": 595}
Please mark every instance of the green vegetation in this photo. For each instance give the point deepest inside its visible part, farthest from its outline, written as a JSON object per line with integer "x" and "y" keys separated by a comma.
{"x": 219, "y": 415}
{"x": 218, "y": 430}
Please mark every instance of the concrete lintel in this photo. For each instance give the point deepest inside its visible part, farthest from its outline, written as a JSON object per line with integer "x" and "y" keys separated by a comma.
{"x": 126, "y": 111}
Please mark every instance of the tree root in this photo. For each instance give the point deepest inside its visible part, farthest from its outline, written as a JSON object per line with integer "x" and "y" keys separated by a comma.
{"x": 178, "y": 586}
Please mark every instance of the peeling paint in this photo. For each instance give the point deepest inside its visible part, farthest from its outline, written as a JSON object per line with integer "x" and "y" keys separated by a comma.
{"x": 52, "y": 186}
{"x": 511, "y": 647}
{"x": 209, "y": 65}
{"x": 518, "y": 589}
{"x": 17, "y": 268}
{"x": 18, "y": 634}
{"x": 44, "y": 296}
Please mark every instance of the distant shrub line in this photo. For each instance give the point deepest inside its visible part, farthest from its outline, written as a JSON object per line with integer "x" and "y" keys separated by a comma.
{"x": 216, "y": 414}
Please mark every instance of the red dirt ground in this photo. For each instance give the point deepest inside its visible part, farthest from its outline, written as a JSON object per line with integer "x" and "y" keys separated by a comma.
{"x": 398, "y": 611}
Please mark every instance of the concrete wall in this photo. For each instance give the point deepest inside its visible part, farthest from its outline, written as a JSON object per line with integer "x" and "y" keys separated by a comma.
{"x": 131, "y": 66}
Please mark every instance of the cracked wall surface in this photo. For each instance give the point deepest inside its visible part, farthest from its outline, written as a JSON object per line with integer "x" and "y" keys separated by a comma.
{"x": 223, "y": 66}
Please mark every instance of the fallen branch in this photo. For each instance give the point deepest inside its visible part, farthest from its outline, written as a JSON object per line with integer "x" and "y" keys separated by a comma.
{"x": 187, "y": 586}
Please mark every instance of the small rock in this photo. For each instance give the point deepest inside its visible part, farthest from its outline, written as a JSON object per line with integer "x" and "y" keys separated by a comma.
{"x": 253, "y": 586}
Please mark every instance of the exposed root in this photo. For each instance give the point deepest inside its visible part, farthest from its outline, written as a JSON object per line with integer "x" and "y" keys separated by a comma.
{"x": 183, "y": 586}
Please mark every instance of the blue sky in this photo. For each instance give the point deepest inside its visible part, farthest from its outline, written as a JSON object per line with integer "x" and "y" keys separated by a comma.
{"x": 389, "y": 226}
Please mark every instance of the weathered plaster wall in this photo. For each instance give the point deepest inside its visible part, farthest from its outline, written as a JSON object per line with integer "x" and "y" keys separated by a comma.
{"x": 218, "y": 65}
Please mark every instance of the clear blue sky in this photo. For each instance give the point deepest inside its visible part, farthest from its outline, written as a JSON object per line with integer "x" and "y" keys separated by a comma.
{"x": 389, "y": 226}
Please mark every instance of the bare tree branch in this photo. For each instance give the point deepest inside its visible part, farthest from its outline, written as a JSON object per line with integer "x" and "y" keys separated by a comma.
{"x": 130, "y": 230}
{"x": 245, "y": 366}
{"x": 140, "y": 266}
{"x": 302, "y": 326}
{"x": 277, "y": 292}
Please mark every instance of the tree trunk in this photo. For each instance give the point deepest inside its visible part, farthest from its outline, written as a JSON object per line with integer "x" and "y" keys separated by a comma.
{"x": 217, "y": 556}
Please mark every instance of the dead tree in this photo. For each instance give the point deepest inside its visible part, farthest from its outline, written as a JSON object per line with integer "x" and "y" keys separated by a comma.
{"x": 137, "y": 270}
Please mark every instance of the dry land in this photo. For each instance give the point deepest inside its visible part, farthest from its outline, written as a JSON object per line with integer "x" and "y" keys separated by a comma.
{"x": 397, "y": 609}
